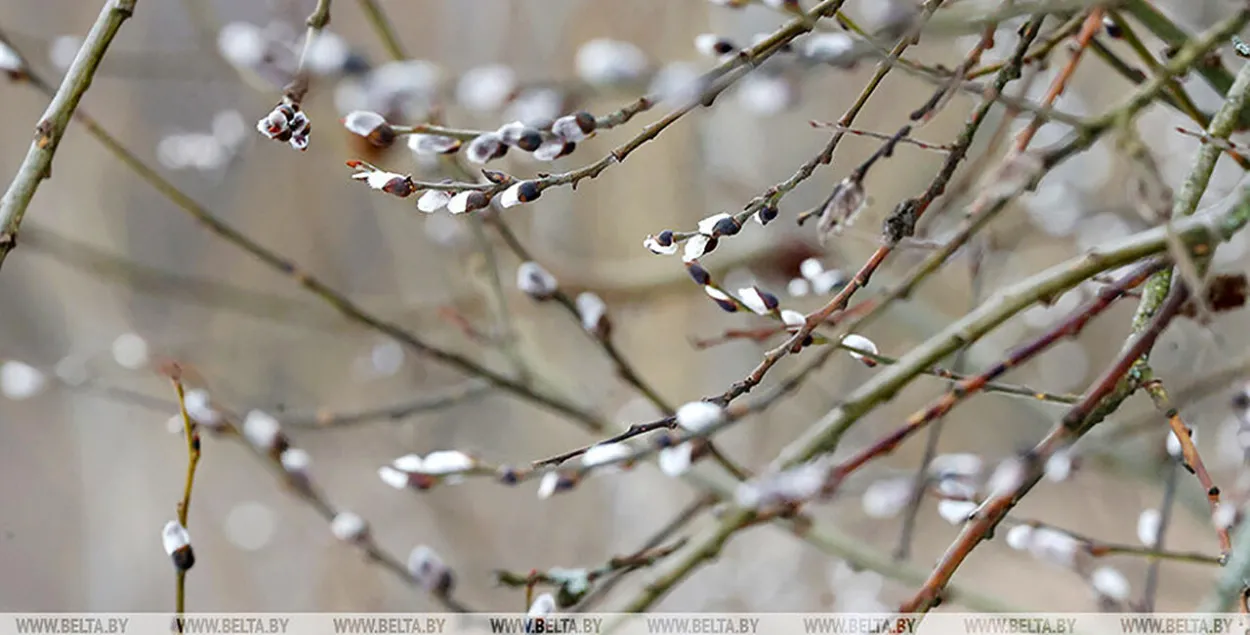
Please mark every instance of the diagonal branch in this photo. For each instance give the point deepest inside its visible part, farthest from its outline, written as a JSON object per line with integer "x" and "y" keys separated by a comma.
{"x": 37, "y": 165}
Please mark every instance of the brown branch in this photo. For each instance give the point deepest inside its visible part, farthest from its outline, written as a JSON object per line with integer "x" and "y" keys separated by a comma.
{"x": 1104, "y": 395}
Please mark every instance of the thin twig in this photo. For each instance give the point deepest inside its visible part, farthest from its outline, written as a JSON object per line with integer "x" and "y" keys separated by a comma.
{"x": 327, "y": 294}
{"x": 1165, "y": 518}
{"x": 1102, "y": 398}
{"x": 192, "y": 436}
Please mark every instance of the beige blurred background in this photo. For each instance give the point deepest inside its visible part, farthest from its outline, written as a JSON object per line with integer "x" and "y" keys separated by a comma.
{"x": 87, "y": 480}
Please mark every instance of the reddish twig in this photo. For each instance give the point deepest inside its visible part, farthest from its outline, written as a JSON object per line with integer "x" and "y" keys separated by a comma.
{"x": 971, "y": 385}
{"x": 1101, "y": 398}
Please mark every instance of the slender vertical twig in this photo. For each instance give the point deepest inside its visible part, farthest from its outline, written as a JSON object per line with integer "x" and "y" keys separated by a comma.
{"x": 192, "y": 436}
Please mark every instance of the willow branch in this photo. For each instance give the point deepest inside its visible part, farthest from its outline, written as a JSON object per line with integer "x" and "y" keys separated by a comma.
{"x": 37, "y": 165}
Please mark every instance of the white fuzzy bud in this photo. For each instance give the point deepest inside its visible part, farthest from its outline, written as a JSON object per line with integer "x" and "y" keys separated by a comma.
{"x": 174, "y": 537}
{"x": 1111, "y": 584}
{"x": 447, "y": 462}
{"x": 887, "y": 498}
{"x": 467, "y": 201}
{"x": 811, "y": 268}
{"x": 349, "y": 527}
{"x": 261, "y": 430}
{"x": 535, "y": 281}
{"x": 758, "y": 301}
{"x": 428, "y": 569}
{"x": 1019, "y": 537}
{"x": 956, "y": 512}
{"x": 606, "y": 453}
{"x": 1007, "y": 477}
{"x": 363, "y": 122}
{"x": 1224, "y": 516}
{"x": 962, "y": 464}
{"x": 793, "y": 318}
{"x": 1059, "y": 466}
{"x": 433, "y": 200}
{"x": 675, "y": 461}
{"x": 1054, "y": 546}
{"x": 593, "y": 312}
{"x": 1148, "y": 525}
{"x": 798, "y": 288}
{"x": 544, "y": 604}
{"x": 828, "y": 48}
{"x": 295, "y": 461}
{"x": 393, "y": 476}
{"x": 412, "y": 463}
{"x": 698, "y": 416}
{"x": 1175, "y": 449}
{"x": 547, "y": 486}
{"x": 860, "y": 343}
{"x": 655, "y": 246}
{"x": 200, "y": 408}
{"x": 695, "y": 247}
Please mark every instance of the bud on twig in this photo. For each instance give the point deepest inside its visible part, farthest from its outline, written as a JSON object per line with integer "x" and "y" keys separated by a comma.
{"x": 535, "y": 281}
{"x": 177, "y": 543}
{"x": 371, "y": 126}
{"x": 427, "y": 568}
{"x": 349, "y": 527}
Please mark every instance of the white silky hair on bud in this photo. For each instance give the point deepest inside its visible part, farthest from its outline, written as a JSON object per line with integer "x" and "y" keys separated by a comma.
{"x": 675, "y": 461}
{"x": 798, "y": 288}
{"x": 426, "y": 567}
{"x": 544, "y": 604}
{"x": 750, "y": 296}
{"x": 295, "y": 460}
{"x": 1059, "y": 466}
{"x": 961, "y": 464}
{"x": 1224, "y": 516}
{"x": 1110, "y": 583}
{"x": 955, "y": 512}
{"x": 1054, "y": 546}
{"x": 811, "y": 268}
{"x": 363, "y": 122}
{"x": 605, "y": 453}
{"x": 697, "y": 416}
{"x": 9, "y": 59}
{"x": 433, "y": 200}
{"x": 261, "y": 429}
{"x": 174, "y": 537}
{"x": 592, "y": 309}
{"x": 547, "y": 486}
{"x": 534, "y": 280}
{"x": 447, "y": 462}
{"x": 393, "y": 477}
{"x": 1019, "y": 537}
{"x": 695, "y": 247}
{"x": 859, "y": 343}
{"x": 790, "y": 317}
{"x": 1149, "y": 523}
{"x": 886, "y": 498}
{"x": 348, "y": 526}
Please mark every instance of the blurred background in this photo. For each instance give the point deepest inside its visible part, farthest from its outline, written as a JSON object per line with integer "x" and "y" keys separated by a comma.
{"x": 90, "y": 471}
